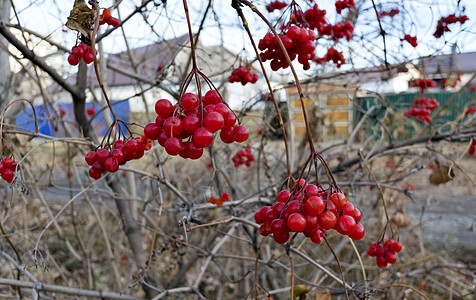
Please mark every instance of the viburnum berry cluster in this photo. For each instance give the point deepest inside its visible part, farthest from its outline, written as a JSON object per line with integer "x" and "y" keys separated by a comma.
{"x": 106, "y": 18}
{"x": 244, "y": 75}
{"x": 7, "y": 169}
{"x": 443, "y": 23}
{"x": 391, "y": 13}
{"x": 187, "y": 128}
{"x": 450, "y": 81}
{"x": 421, "y": 109}
{"x": 275, "y": 5}
{"x": 299, "y": 42}
{"x": 412, "y": 40}
{"x": 243, "y": 157}
{"x": 81, "y": 51}
{"x": 343, "y": 4}
{"x": 104, "y": 160}
{"x": 334, "y": 56}
{"x": 424, "y": 84}
{"x": 219, "y": 201}
{"x": 385, "y": 254}
{"x": 312, "y": 211}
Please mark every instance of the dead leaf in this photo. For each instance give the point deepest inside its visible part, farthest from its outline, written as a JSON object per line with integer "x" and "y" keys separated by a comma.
{"x": 401, "y": 219}
{"x": 441, "y": 174}
{"x": 81, "y": 19}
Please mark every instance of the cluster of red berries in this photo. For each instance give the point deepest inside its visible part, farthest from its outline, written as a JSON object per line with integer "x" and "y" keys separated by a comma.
{"x": 470, "y": 110}
{"x": 299, "y": 42}
{"x": 243, "y": 157}
{"x": 310, "y": 210}
{"x": 428, "y": 103}
{"x": 81, "y": 51}
{"x": 332, "y": 55}
{"x": 275, "y": 5}
{"x": 342, "y": 4}
{"x": 391, "y": 13}
{"x": 315, "y": 19}
{"x": 244, "y": 75}
{"x": 104, "y": 160}
{"x": 420, "y": 114}
{"x": 7, "y": 169}
{"x": 443, "y": 23}
{"x": 106, "y": 18}
{"x": 450, "y": 82}
{"x": 385, "y": 253}
{"x": 424, "y": 84}
{"x": 473, "y": 88}
{"x": 219, "y": 201}
{"x": 188, "y": 127}
{"x": 412, "y": 40}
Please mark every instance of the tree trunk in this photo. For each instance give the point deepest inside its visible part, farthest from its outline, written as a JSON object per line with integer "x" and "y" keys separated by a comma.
{"x": 5, "y": 72}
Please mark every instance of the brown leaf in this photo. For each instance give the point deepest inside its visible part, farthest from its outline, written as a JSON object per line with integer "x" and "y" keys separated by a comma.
{"x": 441, "y": 174}
{"x": 81, "y": 19}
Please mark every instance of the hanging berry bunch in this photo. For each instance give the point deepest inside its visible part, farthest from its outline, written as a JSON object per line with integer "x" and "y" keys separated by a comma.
{"x": 275, "y": 5}
{"x": 187, "y": 128}
{"x": 219, "y": 201}
{"x": 243, "y": 157}
{"x": 443, "y": 23}
{"x": 106, "y": 18}
{"x": 424, "y": 84}
{"x": 343, "y": 4}
{"x": 391, "y": 13}
{"x": 385, "y": 254}
{"x": 472, "y": 148}
{"x": 470, "y": 110}
{"x": 81, "y": 51}
{"x": 243, "y": 75}
{"x": 7, "y": 169}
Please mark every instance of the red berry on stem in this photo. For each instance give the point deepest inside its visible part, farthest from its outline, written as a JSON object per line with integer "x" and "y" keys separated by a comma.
{"x": 345, "y": 225}
{"x": 152, "y": 131}
{"x": 296, "y": 222}
{"x": 202, "y": 137}
{"x": 172, "y": 126}
{"x": 283, "y": 196}
{"x": 88, "y": 58}
{"x": 189, "y": 102}
{"x": 111, "y": 165}
{"x": 211, "y": 97}
{"x": 358, "y": 233}
{"x": 72, "y": 60}
{"x": 164, "y": 108}
{"x": 240, "y": 133}
{"x": 327, "y": 220}
{"x": 90, "y": 158}
{"x": 173, "y": 146}
{"x": 213, "y": 121}
{"x": 102, "y": 155}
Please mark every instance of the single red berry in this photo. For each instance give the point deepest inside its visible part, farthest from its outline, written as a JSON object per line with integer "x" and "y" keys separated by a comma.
{"x": 327, "y": 220}
{"x": 78, "y": 52}
{"x": 173, "y": 146}
{"x": 172, "y": 126}
{"x": 72, "y": 60}
{"x": 372, "y": 250}
{"x": 395, "y": 246}
{"x": 357, "y": 215}
{"x": 164, "y": 108}
{"x": 94, "y": 174}
{"x": 260, "y": 215}
{"x": 111, "y": 165}
{"x": 283, "y": 196}
{"x": 106, "y": 14}
{"x": 102, "y": 155}
{"x": 193, "y": 152}
{"x": 8, "y": 175}
{"x": 119, "y": 154}
{"x": 296, "y": 222}
{"x": 213, "y": 121}
{"x": 131, "y": 146}
{"x": 358, "y": 233}
{"x": 152, "y": 131}
{"x": 338, "y": 199}
{"x": 114, "y": 22}
{"x": 88, "y": 57}
{"x": 345, "y": 225}
{"x": 312, "y": 223}
{"x": 281, "y": 238}
{"x": 317, "y": 236}
{"x": 202, "y": 137}
{"x": 90, "y": 158}
{"x": 189, "y": 102}
{"x": 240, "y": 133}
{"x": 390, "y": 257}
{"x": 211, "y": 97}
{"x": 382, "y": 262}
{"x": 314, "y": 206}
{"x": 226, "y": 135}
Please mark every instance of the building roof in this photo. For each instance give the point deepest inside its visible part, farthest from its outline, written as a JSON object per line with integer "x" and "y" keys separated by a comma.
{"x": 448, "y": 63}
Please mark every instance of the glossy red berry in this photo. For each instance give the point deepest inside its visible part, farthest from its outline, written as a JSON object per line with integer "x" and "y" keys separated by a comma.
{"x": 296, "y": 222}
{"x": 88, "y": 57}
{"x": 202, "y": 137}
{"x": 189, "y": 102}
{"x": 94, "y": 174}
{"x": 345, "y": 225}
{"x": 211, "y": 97}
{"x": 90, "y": 158}
{"x": 72, "y": 60}
{"x": 314, "y": 206}
{"x": 102, "y": 155}
{"x": 327, "y": 220}
{"x": 240, "y": 133}
{"x": 164, "y": 108}
{"x": 172, "y": 126}
{"x": 395, "y": 246}
{"x": 191, "y": 123}
{"x": 173, "y": 146}
{"x": 152, "y": 131}
{"x": 358, "y": 233}
{"x": 111, "y": 165}
{"x": 213, "y": 121}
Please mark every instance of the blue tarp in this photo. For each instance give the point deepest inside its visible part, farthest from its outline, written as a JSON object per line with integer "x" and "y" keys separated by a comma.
{"x": 46, "y": 126}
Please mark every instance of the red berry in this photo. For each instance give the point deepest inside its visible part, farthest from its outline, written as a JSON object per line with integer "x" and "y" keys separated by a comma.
{"x": 281, "y": 238}
{"x": 222, "y": 109}
{"x": 213, "y": 121}
{"x": 211, "y": 97}
{"x": 164, "y": 108}
{"x": 78, "y": 52}
{"x": 338, "y": 199}
{"x": 189, "y": 102}
{"x": 240, "y": 133}
{"x": 317, "y": 236}
{"x": 172, "y": 126}
{"x": 102, "y": 155}
{"x": 111, "y": 165}
{"x": 230, "y": 119}
{"x": 226, "y": 135}
{"x": 90, "y": 158}
{"x": 8, "y": 175}
{"x": 395, "y": 246}
{"x": 106, "y": 14}
{"x": 173, "y": 146}
{"x": 283, "y": 196}
{"x": 327, "y": 220}
{"x": 72, "y": 60}
{"x": 372, "y": 250}
{"x": 152, "y": 131}
{"x": 94, "y": 174}
{"x": 193, "y": 152}
{"x": 119, "y": 154}
{"x": 314, "y": 206}
{"x": 345, "y": 225}
{"x": 260, "y": 215}
{"x": 114, "y": 22}
{"x": 88, "y": 58}
{"x": 358, "y": 233}
{"x": 202, "y": 137}
{"x": 390, "y": 257}
{"x": 381, "y": 262}
{"x": 296, "y": 222}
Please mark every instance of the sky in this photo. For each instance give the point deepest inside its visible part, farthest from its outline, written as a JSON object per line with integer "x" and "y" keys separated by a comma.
{"x": 223, "y": 26}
